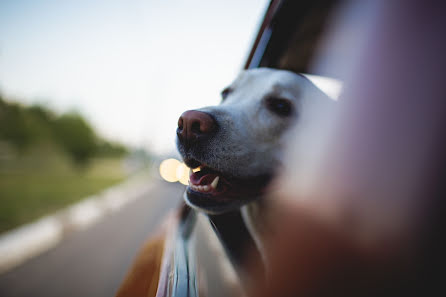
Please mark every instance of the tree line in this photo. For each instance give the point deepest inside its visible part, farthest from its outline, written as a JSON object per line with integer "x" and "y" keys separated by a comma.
{"x": 26, "y": 126}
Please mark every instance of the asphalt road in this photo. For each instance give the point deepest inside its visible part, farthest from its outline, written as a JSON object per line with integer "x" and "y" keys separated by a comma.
{"x": 93, "y": 262}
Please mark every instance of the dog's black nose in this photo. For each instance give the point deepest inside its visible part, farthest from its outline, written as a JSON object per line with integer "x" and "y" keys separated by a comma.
{"x": 193, "y": 124}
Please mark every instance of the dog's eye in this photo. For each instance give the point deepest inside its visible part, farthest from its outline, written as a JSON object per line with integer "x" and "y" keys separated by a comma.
{"x": 225, "y": 93}
{"x": 279, "y": 106}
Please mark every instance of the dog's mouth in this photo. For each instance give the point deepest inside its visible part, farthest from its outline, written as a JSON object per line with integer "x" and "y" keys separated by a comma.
{"x": 205, "y": 180}
{"x": 217, "y": 192}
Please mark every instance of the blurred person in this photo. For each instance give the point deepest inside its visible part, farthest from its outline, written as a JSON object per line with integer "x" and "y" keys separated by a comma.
{"x": 359, "y": 207}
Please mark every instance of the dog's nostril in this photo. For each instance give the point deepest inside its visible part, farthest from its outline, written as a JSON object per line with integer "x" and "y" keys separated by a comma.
{"x": 195, "y": 128}
{"x": 180, "y": 123}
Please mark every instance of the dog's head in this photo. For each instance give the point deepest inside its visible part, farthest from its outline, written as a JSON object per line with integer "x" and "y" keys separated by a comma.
{"x": 237, "y": 145}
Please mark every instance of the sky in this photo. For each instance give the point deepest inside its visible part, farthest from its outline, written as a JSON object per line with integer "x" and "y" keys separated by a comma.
{"x": 130, "y": 67}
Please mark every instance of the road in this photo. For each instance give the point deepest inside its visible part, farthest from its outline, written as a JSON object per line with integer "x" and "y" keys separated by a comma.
{"x": 93, "y": 262}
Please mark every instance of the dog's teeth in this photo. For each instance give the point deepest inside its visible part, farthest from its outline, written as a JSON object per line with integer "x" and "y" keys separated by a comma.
{"x": 215, "y": 182}
{"x": 204, "y": 188}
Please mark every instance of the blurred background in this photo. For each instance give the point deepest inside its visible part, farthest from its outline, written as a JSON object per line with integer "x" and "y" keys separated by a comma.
{"x": 86, "y": 84}
{"x": 90, "y": 94}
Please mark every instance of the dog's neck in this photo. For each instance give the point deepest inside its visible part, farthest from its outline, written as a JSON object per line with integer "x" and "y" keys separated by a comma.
{"x": 241, "y": 235}
{"x": 252, "y": 218}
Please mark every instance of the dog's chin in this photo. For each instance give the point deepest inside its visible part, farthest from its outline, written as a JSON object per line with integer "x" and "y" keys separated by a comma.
{"x": 214, "y": 192}
{"x": 210, "y": 205}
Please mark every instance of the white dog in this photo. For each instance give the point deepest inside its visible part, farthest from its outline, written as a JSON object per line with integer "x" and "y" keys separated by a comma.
{"x": 237, "y": 145}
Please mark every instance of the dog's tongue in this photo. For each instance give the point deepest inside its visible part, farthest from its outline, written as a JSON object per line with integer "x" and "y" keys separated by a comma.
{"x": 198, "y": 178}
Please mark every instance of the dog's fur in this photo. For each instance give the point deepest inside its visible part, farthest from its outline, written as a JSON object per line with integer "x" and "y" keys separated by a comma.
{"x": 247, "y": 146}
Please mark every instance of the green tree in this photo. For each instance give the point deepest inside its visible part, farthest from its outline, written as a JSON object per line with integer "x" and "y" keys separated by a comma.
{"x": 76, "y": 136}
{"x": 24, "y": 127}
{"x": 13, "y": 125}
{"x": 110, "y": 149}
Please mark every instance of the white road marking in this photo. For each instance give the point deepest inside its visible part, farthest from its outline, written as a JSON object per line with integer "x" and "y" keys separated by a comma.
{"x": 25, "y": 242}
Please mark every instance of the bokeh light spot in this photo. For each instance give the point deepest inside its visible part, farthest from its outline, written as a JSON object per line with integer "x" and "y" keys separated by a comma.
{"x": 183, "y": 174}
{"x": 168, "y": 170}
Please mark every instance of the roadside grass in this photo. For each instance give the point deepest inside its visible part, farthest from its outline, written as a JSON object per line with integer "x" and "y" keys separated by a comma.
{"x": 39, "y": 184}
